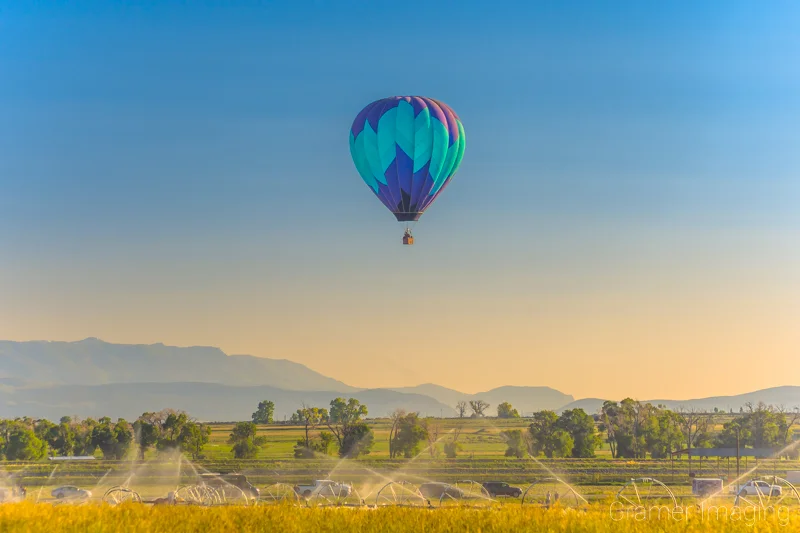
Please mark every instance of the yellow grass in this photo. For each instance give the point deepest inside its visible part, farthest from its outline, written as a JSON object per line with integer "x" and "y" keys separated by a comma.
{"x": 508, "y": 519}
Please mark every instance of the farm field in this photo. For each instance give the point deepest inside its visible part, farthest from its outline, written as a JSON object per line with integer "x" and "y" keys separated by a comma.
{"x": 479, "y": 437}
{"x": 481, "y": 459}
{"x": 595, "y": 519}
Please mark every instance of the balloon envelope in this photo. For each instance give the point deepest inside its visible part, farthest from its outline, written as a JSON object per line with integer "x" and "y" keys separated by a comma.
{"x": 407, "y": 149}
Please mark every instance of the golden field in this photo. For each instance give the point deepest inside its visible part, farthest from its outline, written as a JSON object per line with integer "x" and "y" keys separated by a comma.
{"x": 96, "y": 518}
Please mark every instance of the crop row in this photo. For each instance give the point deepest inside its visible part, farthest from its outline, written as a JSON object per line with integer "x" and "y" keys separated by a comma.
{"x": 171, "y": 519}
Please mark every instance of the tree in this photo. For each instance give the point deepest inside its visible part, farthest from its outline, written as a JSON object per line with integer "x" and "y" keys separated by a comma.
{"x": 309, "y": 418}
{"x": 61, "y": 438}
{"x": 411, "y": 432}
{"x": 82, "y": 431}
{"x": 264, "y": 413}
{"x": 461, "y": 408}
{"x": 323, "y": 443}
{"x": 634, "y": 429}
{"x": 625, "y": 425}
{"x": 694, "y": 426}
{"x": 478, "y": 408}
{"x": 145, "y": 435}
{"x": 433, "y": 427}
{"x": 395, "y": 418}
{"x": 160, "y": 418}
{"x": 158, "y": 429}
{"x": 609, "y": 413}
{"x": 303, "y": 450}
{"x": 559, "y": 445}
{"x": 505, "y": 410}
{"x": 541, "y": 430}
{"x": 663, "y": 434}
{"x": 123, "y": 438}
{"x": 734, "y": 433}
{"x": 20, "y": 442}
{"x": 114, "y": 440}
{"x": 170, "y": 430}
{"x": 451, "y": 449}
{"x": 193, "y": 438}
{"x": 581, "y": 429}
{"x": 787, "y": 420}
{"x": 547, "y": 437}
{"x": 42, "y": 428}
{"x": 344, "y": 422}
{"x": 244, "y": 440}
{"x": 635, "y": 416}
{"x": 516, "y": 446}
{"x": 357, "y": 441}
{"x": 764, "y": 425}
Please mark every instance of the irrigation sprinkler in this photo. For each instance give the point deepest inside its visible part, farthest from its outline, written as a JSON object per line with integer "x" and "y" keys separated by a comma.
{"x": 636, "y": 493}
{"x": 400, "y": 494}
{"x": 341, "y": 495}
{"x": 466, "y": 492}
{"x": 552, "y": 491}
{"x": 279, "y": 493}
{"x": 118, "y": 495}
{"x": 198, "y": 495}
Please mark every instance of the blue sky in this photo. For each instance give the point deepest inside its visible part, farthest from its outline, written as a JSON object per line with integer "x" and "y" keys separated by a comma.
{"x": 162, "y": 162}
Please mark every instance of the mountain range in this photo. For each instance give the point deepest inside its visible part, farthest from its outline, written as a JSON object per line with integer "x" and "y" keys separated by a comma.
{"x": 94, "y": 362}
{"x": 91, "y": 377}
{"x": 524, "y": 399}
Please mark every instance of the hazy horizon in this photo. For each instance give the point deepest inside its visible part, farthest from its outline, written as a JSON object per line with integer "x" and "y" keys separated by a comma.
{"x": 624, "y": 222}
{"x": 345, "y": 380}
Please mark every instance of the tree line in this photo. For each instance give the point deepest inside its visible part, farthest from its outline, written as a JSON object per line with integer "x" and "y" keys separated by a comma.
{"x": 340, "y": 429}
{"x": 634, "y": 429}
{"x": 572, "y": 434}
{"x": 28, "y": 439}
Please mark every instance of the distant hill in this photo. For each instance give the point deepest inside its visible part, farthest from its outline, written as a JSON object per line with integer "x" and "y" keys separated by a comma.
{"x": 95, "y": 362}
{"x": 589, "y": 405}
{"x": 524, "y": 399}
{"x": 443, "y": 394}
{"x": 788, "y": 396}
{"x": 95, "y": 378}
{"x": 204, "y": 401}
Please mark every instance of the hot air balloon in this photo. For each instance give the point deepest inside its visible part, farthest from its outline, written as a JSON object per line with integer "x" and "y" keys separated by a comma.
{"x": 407, "y": 149}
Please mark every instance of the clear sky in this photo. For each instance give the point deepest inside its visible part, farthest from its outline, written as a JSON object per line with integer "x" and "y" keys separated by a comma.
{"x": 625, "y": 221}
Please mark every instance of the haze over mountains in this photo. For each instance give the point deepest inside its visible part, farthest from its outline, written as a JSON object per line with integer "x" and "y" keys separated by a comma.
{"x": 524, "y": 399}
{"x": 94, "y": 362}
{"x": 95, "y": 378}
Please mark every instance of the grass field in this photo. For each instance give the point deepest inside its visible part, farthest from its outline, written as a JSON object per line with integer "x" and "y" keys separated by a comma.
{"x": 479, "y": 437}
{"x": 596, "y": 519}
{"x": 482, "y": 459}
